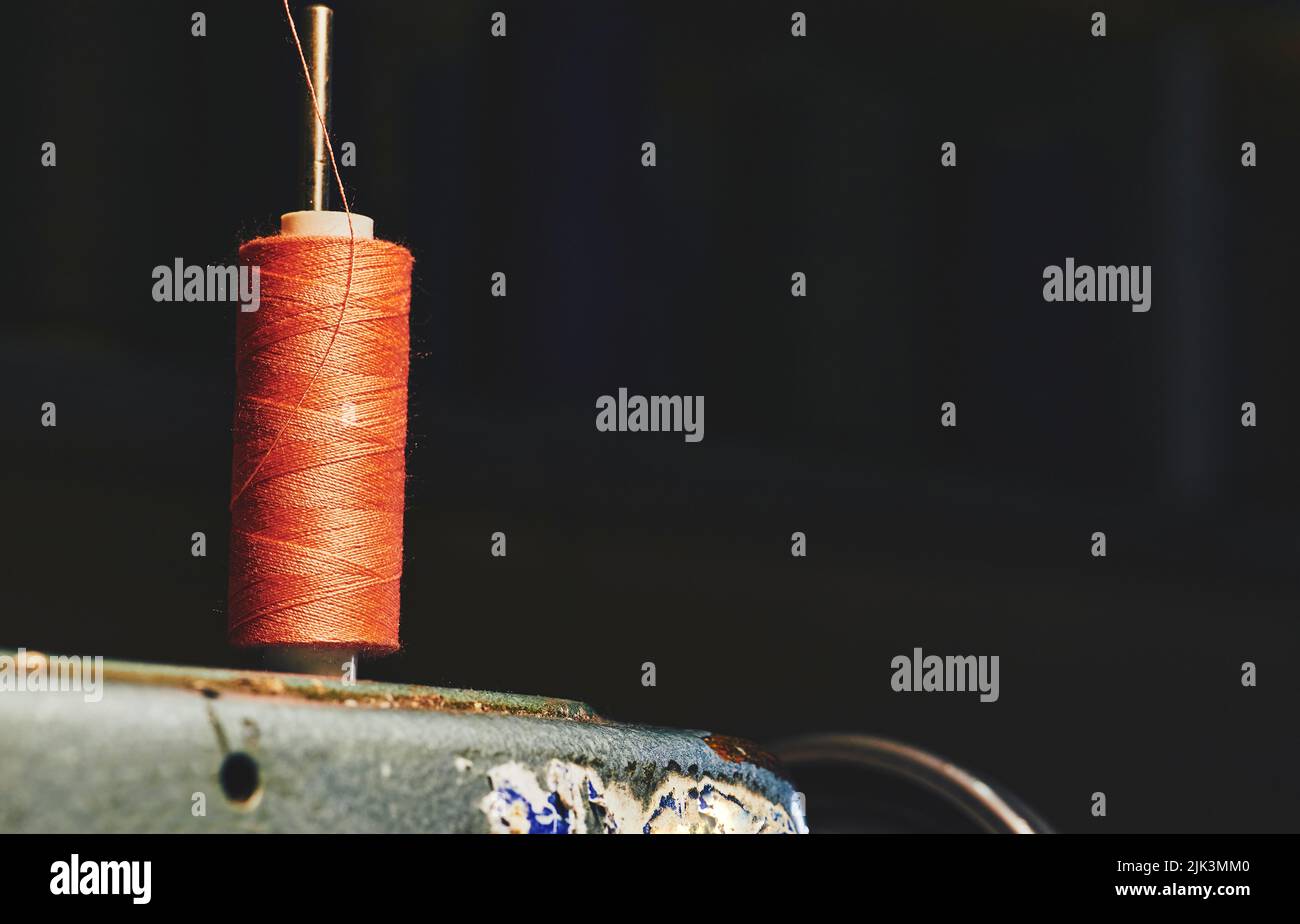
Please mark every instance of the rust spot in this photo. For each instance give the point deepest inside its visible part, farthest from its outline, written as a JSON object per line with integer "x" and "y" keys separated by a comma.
{"x": 214, "y": 687}
{"x": 740, "y": 751}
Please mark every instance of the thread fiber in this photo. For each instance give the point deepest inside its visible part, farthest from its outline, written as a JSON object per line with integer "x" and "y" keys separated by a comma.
{"x": 318, "y": 475}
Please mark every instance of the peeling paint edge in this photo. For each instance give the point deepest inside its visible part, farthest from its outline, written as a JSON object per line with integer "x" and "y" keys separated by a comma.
{"x": 568, "y": 798}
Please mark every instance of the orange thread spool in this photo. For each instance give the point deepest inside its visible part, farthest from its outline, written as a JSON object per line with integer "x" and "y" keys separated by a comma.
{"x": 320, "y": 445}
{"x": 320, "y": 418}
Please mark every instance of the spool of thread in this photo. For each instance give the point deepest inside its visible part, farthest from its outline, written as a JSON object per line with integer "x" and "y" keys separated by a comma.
{"x": 318, "y": 478}
{"x": 320, "y": 438}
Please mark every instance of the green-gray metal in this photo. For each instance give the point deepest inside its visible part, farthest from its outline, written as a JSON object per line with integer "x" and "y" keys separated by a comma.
{"x": 163, "y": 749}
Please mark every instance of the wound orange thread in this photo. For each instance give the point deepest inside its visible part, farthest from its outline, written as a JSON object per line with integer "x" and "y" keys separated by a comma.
{"x": 316, "y": 535}
{"x": 317, "y": 486}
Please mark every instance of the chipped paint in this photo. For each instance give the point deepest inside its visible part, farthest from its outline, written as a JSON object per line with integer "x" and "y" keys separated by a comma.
{"x": 573, "y": 799}
{"x": 519, "y": 805}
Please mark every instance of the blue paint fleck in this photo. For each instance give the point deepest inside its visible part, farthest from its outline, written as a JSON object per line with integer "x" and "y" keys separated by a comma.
{"x": 665, "y": 802}
{"x": 550, "y": 820}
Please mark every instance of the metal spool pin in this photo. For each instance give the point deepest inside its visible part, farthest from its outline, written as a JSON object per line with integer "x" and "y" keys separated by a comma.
{"x": 315, "y": 27}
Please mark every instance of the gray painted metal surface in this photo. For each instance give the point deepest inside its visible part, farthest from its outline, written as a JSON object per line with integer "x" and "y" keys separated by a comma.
{"x": 180, "y": 750}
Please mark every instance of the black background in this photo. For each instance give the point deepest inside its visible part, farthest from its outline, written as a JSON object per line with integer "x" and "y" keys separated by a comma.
{"x": 775, "y": 155}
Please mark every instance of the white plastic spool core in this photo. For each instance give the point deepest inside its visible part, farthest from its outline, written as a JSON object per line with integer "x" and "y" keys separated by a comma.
{"x": 326, "y": 224}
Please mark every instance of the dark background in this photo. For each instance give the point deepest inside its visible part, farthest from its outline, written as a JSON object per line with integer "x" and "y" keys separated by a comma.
{"x": 775, "y": 154}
